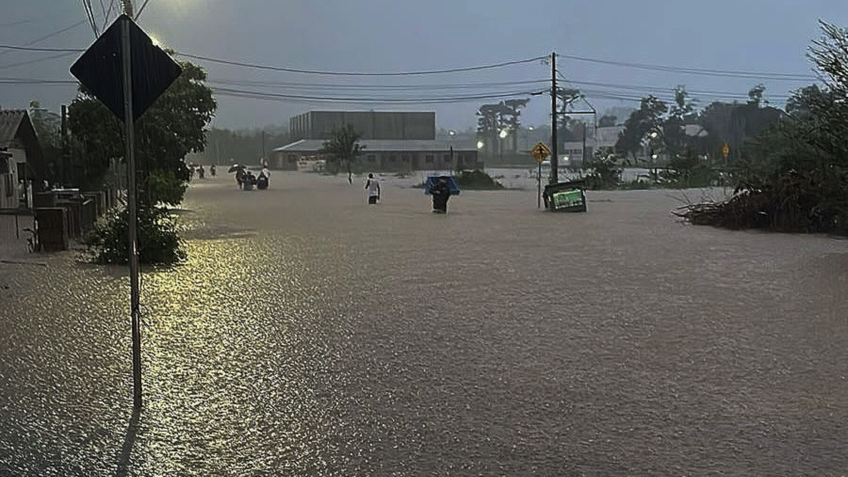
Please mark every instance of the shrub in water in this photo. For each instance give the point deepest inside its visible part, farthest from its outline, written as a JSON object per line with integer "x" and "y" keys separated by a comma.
{"x": 158, "y": 241}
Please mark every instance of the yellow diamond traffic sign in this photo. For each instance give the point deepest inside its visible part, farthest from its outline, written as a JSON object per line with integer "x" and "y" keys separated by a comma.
{"x": 540, "y": 152}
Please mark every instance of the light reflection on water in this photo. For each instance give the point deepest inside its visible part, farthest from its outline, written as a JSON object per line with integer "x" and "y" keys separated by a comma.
{"x": 228, "y": 369}
{"x": 335, "y": 339}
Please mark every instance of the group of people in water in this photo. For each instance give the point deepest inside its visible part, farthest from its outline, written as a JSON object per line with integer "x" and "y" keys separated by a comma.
{"x": 200, "y": 171}
{"x": 247, "y": 181}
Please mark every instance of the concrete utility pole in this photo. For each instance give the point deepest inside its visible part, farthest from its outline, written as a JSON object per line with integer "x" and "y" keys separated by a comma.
{"x": 128, "y": 8}
{"x": 554, "y": 152}
{"x": 63, "y": 161}
{"x": 131, "y": 206}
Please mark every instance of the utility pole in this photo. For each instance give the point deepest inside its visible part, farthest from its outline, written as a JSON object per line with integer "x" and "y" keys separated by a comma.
{"x": 584, "y": 160}
{"x": 126, "y": 57}
{"x": 63, "y": 160}
{"x": 128, "y": 8}
{"x": 263, "y": 147}
{"x": 554, "y": 152}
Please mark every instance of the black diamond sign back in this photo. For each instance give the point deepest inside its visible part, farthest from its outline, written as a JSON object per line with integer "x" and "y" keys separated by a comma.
{"x": 100, "y": 69}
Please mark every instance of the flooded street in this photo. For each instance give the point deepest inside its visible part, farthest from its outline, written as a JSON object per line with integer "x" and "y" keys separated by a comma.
{"x": 311, "y": 334}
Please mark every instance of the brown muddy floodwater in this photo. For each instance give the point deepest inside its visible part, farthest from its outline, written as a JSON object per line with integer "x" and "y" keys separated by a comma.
{"x": 309, "y": 334}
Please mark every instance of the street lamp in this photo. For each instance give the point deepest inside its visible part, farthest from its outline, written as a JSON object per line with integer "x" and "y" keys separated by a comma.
{"x": 504, "y": 133}
{"x": 480, "y": 144}
{"x": 451, "y": 133}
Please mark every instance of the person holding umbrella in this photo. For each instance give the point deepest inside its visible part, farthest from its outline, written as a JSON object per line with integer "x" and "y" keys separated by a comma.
{"x": 441, "y": 193}
{"x": 239, "y": 170}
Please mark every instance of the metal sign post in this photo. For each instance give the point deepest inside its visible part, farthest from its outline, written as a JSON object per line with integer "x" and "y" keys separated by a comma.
{"x": 125, "y": 71}
{"x": 129, "y": 131}
{"x": 539, "y": 152}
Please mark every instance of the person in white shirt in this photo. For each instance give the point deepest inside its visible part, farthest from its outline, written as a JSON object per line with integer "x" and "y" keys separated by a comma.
{"x": 373, "y": 188}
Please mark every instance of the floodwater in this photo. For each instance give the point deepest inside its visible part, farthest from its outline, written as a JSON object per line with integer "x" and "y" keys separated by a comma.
{"x": 310, "y": 334}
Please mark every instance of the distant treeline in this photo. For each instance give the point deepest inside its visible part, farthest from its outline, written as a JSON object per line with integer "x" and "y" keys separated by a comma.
{"x": 227, "y": 146}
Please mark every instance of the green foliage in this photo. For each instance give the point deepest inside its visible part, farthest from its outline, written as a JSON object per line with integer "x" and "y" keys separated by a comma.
{"x": 173, "y": 127}
{"x": 605, "y": 173}
{"x": 477, "y": 180}
{"x": 164, "y": 187}
{"x": 607, "y": 121}
{"x": 795, "y": 175}
{"x": 645, "y": 120}
{"x": 158, "y": 241}
{"x": 226, "y": 146}
{"x": 47, "y": 127}
{"x": 343, "y": 148}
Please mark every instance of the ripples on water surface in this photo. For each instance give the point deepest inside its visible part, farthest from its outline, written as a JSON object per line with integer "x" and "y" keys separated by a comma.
{"x": 310, "y": 335}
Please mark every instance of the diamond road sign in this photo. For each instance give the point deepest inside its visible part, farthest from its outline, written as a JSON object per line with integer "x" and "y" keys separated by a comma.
{"x": 540, "y": 152}
{"x": 100, "y": 69}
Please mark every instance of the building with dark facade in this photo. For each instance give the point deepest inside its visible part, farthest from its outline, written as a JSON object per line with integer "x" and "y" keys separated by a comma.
{"x": 393, "y": 141}
{"x": 370, "y": 124}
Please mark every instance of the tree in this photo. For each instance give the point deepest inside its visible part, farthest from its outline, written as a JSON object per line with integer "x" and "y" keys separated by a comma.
{"x": 511, "y": 113}
{"x": 47, "y": 127}
{"x": 344, "y": 147}
{"x": 644, "y": 121}
{"x": 171, "y": 128}
{"x": 796, "y": 170}
{"x": 174, "y": 126}
{"x": 755, "y": 95}
{"x": 607, "y": 120}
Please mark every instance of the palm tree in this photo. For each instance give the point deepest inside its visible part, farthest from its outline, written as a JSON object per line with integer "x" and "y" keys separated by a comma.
{"x": 344, "y": 147}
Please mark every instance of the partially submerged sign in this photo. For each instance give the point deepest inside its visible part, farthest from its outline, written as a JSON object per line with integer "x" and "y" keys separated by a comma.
{"x": 100, "y": 69}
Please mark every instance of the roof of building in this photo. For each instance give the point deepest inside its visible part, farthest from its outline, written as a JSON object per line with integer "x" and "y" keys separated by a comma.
{"x": 10, "y": 121}
{"x": 15, "y": 123}
{"x": 378, "y": 145}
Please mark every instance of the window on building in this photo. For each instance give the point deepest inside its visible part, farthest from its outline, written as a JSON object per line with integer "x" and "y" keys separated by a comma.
{"x": 392, "y": 158}
{"x": 428, "y": 158}
{"x": 372, "y": 158}
{"x": 292, "y": 158}
{"x": 406, "y": 158}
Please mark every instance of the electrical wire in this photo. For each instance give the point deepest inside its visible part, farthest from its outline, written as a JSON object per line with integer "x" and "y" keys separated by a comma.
{"x": 37, "y": 60}
{"x": 53, "y": 50}
{"x": 140, "y": 10}
{"x": 344, "y": 73}
{"x": 367, "y": 87}
{"x": 697, "y": 71}
{"x": 45, "y": 37}
{"x": 302, "y": 98}
{"x": 89, "y": 12}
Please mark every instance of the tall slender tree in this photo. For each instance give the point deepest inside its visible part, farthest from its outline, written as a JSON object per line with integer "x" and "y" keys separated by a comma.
{"x": 344, "y": 147}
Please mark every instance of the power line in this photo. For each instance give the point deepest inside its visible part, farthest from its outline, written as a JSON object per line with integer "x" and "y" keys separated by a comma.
{"x": 370, "y": 87}
{"x": 32, "y": 48}
{"x": 11, "y": 24}
{"x": 341, "y": 73}
{"x": 697, "y": 71}
{"x": 364, "y": 99}
{"x": 140, "y": 10}
{"x": 38, "y": 60}
{"x": 45, "y": 37}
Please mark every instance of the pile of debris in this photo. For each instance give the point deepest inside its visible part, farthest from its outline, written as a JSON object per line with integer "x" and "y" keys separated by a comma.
{"x": 793, "y": 202}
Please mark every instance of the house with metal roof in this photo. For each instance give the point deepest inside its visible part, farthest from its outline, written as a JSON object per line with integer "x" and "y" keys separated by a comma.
{"x": 393, "y": 142}
{"x": 24, "y": 158}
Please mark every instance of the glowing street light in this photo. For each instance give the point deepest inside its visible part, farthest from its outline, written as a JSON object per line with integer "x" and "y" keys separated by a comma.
{"x": 504, "y": 133}
{"x": 480, "y": 144}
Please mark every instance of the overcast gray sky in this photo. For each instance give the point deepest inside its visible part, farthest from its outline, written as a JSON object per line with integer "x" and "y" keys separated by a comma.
{"x": 401, "y": 35}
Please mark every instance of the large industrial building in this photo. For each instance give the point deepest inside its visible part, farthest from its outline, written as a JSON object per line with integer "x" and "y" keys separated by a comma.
{"x": 393, "y": 141}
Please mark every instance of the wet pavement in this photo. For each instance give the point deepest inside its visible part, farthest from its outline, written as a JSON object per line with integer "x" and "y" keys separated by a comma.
{"x": 311, "y": 334}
